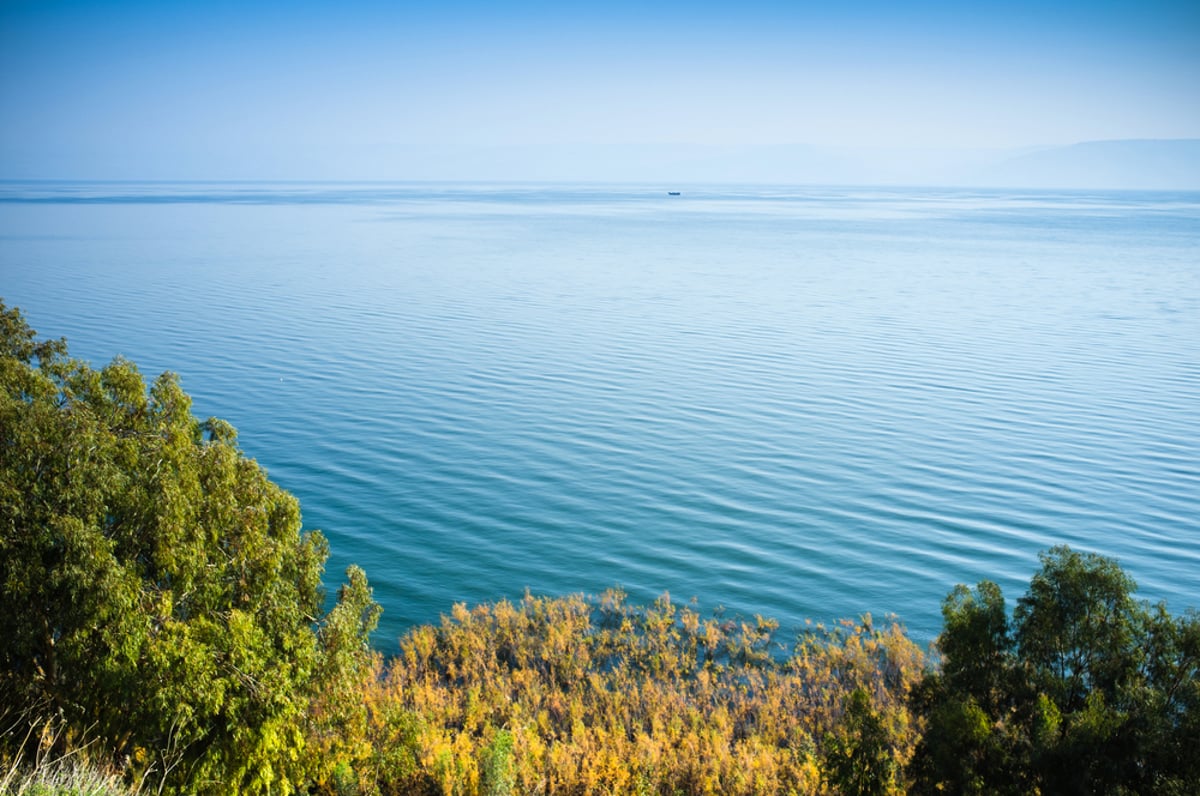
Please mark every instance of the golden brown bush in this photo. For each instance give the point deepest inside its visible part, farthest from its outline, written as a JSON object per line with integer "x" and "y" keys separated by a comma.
{"x": 595, "y": 696}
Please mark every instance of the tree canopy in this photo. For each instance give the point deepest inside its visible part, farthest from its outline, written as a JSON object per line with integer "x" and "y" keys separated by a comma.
{"x": 1084, "y": 690}
{"x": 158, "y": 594}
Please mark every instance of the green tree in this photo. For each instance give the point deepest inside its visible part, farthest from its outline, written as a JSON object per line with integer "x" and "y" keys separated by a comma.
{"x": 972, "y": 741}
{"x": 157, "y": 594}
{"x": 858, "y": 758}
{"x": 1088, "y": 691}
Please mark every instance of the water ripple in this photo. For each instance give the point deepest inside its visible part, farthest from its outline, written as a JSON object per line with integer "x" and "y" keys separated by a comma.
{"x": 794, "y": 402}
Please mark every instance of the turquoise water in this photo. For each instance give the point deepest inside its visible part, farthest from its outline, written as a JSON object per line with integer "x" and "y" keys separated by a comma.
{"x": 800, "y": 403}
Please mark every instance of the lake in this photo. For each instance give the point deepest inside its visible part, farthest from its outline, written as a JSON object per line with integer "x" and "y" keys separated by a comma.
{"x": 796, "y": 402}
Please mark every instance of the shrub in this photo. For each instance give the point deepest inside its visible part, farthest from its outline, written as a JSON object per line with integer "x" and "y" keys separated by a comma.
{"x": 158, "y": 594}
{"x": 576, "y": 695}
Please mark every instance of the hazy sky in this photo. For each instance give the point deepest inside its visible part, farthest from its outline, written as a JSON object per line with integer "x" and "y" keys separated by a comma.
{"x": 354, "y": 89}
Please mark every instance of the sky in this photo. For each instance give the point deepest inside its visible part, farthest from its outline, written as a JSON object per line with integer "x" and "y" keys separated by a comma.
{"x": 351, "y": 89}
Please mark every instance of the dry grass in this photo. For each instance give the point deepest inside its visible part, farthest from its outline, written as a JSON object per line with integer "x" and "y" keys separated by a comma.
{"x": 51, "y": 772}
{"x": 64, "y": 777}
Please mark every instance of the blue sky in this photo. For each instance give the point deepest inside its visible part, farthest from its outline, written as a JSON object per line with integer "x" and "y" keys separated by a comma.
{"x": 351, "y": 89}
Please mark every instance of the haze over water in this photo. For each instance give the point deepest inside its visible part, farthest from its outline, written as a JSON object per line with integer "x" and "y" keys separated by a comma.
{"x": 795, "y": 402}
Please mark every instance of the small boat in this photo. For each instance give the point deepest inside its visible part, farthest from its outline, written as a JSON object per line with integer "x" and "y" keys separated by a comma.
{"x": 672, "y": 193}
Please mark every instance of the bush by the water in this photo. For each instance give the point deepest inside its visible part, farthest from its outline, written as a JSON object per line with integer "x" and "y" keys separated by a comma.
{"x": 161, "y": 624}
{"x": 160, "y": 602}
{"x": 598, "y": 696}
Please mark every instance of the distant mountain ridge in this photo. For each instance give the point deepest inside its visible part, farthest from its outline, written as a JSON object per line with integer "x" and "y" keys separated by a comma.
{"x": 1142, "y": 164}
{"x": 1148, "y": 164}
{"x": 1133, "y": 164}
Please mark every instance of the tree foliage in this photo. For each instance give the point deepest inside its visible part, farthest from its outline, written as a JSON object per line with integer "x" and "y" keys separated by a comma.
{"x": 1086, "y": 690}
{"x": 157, "y": 594}
{"x": 858, "y": 761}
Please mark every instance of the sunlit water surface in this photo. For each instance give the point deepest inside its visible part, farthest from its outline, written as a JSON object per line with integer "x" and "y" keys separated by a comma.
{"x": 793, "y": 402}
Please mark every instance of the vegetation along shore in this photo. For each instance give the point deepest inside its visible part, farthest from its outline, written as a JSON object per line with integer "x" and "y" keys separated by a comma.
{"x": 163, "y": 628}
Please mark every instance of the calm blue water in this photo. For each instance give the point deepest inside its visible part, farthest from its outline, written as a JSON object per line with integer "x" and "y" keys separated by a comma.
{"x": 800, "y": 403}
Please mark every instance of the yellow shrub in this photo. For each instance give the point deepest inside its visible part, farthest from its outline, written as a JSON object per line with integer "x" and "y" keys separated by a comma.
{"x": 598, "y": 696}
